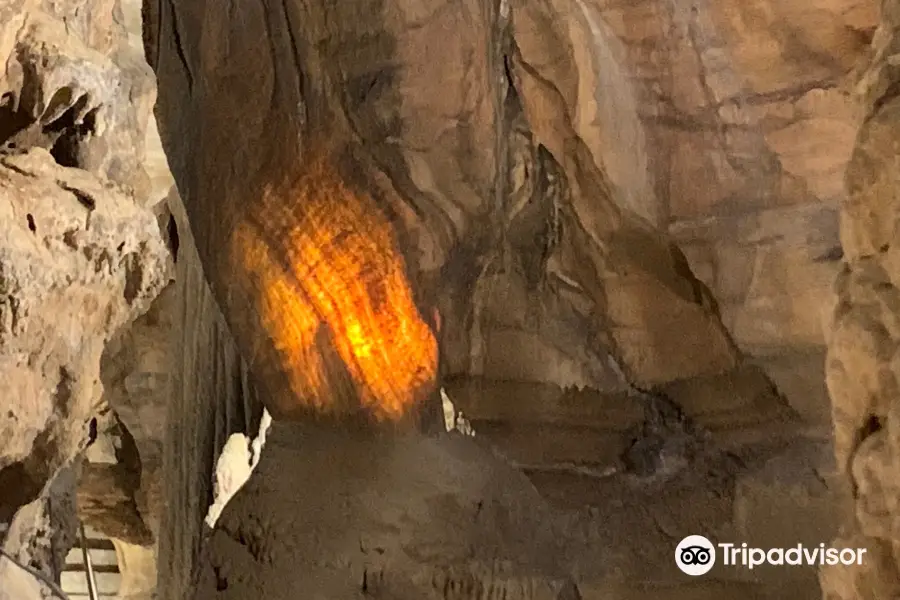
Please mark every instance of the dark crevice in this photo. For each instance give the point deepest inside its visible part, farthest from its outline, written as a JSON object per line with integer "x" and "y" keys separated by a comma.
{"x": 221, "y": 580}
{"x": 127, "y": 453}
{"x": 92, "y": 431}
{"x": 61, "y": 129}
{"x": 172, "y": 237}
{"x": 22, "y": 482}
{"x": 872, "y": 426}
{"x": 150, "y": 22}
{"x": 17, "y": 488}
{"x": 12, "y": 120}
{"x": 63, "y": 395}
{"x": 62, "y": 110}
{"x": 179, "y": 46}
{"x": 71, "y": 133}
{"x": 889, "y": 94}
{"x": 134, "y": 277}
{"x": 85, "y": 199}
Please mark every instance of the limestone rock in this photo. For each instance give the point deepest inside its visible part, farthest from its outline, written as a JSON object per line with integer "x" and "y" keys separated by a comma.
{"x": 484, "y": 132}
{"x": 771, "y": 271}
{"x": 136, "y": 372}
{"x": 863, "y": 348}
{"x": 87, "y": 104}
{"x": 743, "y": 116}
{"x": 79, "y": 260}
{"x": 81, "y": 254}
{"x": 504, "y": 191}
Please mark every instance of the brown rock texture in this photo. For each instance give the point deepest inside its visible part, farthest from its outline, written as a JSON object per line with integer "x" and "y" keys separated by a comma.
{"x": 81, "y": 255}
{"x": 862, "y": 366}
{"x": 80, "y": 260}
{"x": 410, "y": 517}
{"x": 537, "y": 162}
{"x": 746, "y": 126}
{"x": 136, "y": 372}
{"x": 507, "y": 221}
{"x": 212, "y": 396}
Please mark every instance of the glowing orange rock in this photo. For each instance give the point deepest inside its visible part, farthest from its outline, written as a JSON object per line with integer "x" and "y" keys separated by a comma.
{"x": 326, "y": 261}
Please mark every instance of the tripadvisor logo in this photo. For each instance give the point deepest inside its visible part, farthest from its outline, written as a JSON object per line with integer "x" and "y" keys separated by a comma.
{"x": 695, "y": 555}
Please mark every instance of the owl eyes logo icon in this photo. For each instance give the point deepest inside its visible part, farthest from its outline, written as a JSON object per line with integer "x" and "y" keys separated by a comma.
{"x": 695, "y": 555}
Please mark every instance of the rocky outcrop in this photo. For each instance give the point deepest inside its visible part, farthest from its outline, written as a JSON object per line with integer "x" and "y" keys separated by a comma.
{"x": 862, "y": 366}
{"x": 81, "y": 255}
{"x": 136, "y": 372}
{"x": 80, "y": 261}
{"x": 748, "y": 128}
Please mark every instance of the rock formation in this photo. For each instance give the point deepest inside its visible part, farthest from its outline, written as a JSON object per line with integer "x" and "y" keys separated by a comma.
{"x": 82, "y": 256}
{"x": 510, "y": 216}
{"x": 862, "y": 367}
{"x": 623, "y": 215}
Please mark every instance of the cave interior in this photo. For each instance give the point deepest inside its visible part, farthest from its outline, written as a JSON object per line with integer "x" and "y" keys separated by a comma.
{"x": 412, "y": 299}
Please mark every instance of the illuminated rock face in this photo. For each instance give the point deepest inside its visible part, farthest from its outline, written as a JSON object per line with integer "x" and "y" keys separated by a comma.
{"x": 329, "y": 276}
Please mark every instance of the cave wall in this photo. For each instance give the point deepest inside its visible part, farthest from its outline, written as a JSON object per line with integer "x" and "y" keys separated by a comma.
{"x": 81, "y": 254}
{"x": 210, "y": 396}
{"x": 728, "y": 124}
{"x": 862, "y": 354}
{"x": 506, "y": 216}
{"x": 749, "y": 122}
{"x": 743, "y": 118}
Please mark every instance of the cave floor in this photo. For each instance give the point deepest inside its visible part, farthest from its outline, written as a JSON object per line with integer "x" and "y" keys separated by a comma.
{"x": 769, "y": 483}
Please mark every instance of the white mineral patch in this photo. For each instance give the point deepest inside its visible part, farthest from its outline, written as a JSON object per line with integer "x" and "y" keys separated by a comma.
{"x": 260, "y": 441}
{"x": 233, "y": 468}
{"x": 454, "y": 420}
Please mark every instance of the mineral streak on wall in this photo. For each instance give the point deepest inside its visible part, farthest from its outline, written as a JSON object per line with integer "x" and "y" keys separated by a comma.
{"x": 324, "y": 254}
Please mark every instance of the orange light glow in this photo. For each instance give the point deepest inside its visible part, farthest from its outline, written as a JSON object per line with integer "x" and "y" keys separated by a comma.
{"x": 326, "y": 255}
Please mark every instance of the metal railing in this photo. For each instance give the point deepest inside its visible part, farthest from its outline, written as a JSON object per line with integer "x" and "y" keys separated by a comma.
{"x": 88, "y": 565}
{"x": 89, "y": 574}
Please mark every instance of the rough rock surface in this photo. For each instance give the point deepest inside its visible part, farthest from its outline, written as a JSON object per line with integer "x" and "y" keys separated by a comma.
{"x": 80, "y": 260}
{"x": 211, "y": 397}
{"x": 528, "y": 187}
{"x": 81, "y": 254}
{"x": 743, "y": 163}
{"x": 748, "y": 126}
{"x": 410, "y": 517}
{"x": 136, "y": 372}
{"x": 862, "y": 370}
